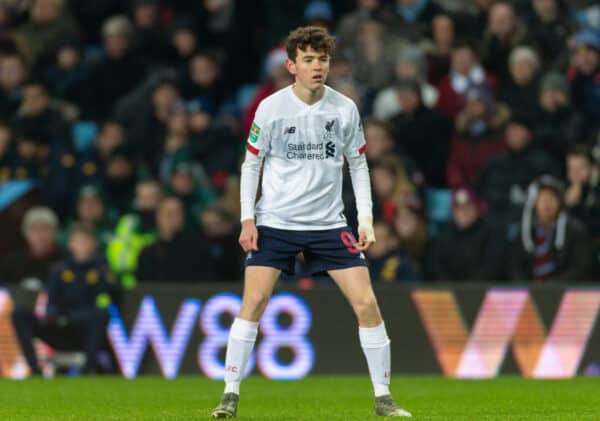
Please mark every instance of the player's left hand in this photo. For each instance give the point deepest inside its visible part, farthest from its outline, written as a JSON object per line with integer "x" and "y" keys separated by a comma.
{"x": 366, "y": 234}
{"x": 363, "y": 244}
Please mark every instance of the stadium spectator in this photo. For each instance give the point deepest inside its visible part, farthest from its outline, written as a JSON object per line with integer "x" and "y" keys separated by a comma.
{"x": 373, "y": 57}
{"x": 390, "y": 184}
{"x": 149, "y": 35}
{"x": 184, "y": 43}
{"x": 584, "y": 77}
{"x": 67, "y": 74}
{"x": 388, "y": 263}
{"x": 147, "y": 128}
{"x": 478, "y": 136}
{"x": 79, "y": 292}
{"x": 91, "y": 211}
{"x": 119, "y": 179}
{"x": 443, "y": 37}
{"x": 503, "y": 181}
{"x": 134, "y": 231}
{"x": 471, "y": 248}
{"x": 176, "y": 255}
{"x": 37, "y": 114}
{"x": 548, "y": 25}
{"x": 29, "y": 266}
{"x": 215, "y": 145}
{"x": 188, "y": 182}
{"x": 410, "y": 64}
{"x": 119, "y": 71}
{"x": 380, "y": 139}
{"x": 409, "y": 224}
{"x": 504, "y": 32}
{"x": 582, "y": 196}
{"x": 423, "y": 133}
{"x": 465, "y": 72}
{"x": 520, "y": 91}
{"x": 49, "y": 24}
{"x": 176, "y": 141}
{"x": 472, "y": 21}
{"x": 13, "y": 72}
{"x": 349, "y": 24}
{"x": 233, "y": 29}
{"x": 219, "y": 229}
{"x": 552, "y": 246}
{"x": 203, "y": 83}
{"x": 557, "y": 126}
{"x": 92, "y": 159}
{"x": 410, "y": 19}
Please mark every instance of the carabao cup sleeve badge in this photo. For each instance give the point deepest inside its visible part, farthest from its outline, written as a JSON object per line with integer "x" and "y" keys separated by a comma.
{"x": 254, "y": 132}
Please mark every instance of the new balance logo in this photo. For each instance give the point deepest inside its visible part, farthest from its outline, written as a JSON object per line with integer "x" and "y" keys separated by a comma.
{"x": 329, "y": 150}
{"x": 290, "y": 130}
{"x": 329, "y": 125}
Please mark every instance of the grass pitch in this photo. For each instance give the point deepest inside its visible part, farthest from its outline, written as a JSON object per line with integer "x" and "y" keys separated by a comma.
{"x": 315, "y": 398}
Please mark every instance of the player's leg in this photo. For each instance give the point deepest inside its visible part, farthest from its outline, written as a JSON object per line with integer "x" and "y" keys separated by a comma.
{"x": 259, "y": 282}
{"x": 355, "y": 284}
{"x": 258, "y": 286}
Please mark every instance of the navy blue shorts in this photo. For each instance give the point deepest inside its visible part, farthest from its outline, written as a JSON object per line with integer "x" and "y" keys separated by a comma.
{"x": 323, "y": 250}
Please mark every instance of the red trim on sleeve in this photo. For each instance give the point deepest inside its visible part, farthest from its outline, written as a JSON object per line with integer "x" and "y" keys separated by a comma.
{"x": 362, "y": 149}
{"x": 252, "y": 149}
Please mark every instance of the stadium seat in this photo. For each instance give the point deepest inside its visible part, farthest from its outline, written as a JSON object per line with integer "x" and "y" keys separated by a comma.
{"x": 439, "y": 209}
{"x": 84, "y": 133}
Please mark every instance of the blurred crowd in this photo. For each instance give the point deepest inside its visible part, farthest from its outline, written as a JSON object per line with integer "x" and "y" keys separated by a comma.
{"x": 482, "y": 121}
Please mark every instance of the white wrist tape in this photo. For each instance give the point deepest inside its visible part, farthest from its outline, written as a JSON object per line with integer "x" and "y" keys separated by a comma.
{"x": 365, "y": 224}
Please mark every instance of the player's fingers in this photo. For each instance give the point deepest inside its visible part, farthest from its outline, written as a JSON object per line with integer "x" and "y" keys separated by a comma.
{"x": 363, "y": 246}
{"x": 362, "y": 237}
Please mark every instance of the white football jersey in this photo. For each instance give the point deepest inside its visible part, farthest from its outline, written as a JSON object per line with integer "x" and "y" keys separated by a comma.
{"x": 304, "y": 148}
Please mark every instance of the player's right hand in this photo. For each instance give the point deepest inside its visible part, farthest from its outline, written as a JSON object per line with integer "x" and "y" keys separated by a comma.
{"x": 249, "y": 236}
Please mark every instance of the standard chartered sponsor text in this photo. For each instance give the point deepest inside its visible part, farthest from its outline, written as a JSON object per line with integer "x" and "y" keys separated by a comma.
{"x": 308, "y": 151}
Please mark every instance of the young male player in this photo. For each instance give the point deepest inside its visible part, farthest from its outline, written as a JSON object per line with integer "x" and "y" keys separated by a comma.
{"x": 303, "y": 132}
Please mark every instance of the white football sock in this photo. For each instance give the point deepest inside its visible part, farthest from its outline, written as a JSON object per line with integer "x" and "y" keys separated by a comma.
{"x": 376, "y": 346}
{"x": 239, "y": 347}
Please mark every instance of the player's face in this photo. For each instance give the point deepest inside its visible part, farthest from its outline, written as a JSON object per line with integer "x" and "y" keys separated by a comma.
{"x": 310, "y": 68}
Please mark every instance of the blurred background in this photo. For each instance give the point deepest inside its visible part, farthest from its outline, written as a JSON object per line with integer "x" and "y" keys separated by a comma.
{"x": 109, "y": 106}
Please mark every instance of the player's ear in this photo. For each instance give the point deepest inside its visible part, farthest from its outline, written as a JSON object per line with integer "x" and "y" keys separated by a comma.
{"x": 291, "y": 66}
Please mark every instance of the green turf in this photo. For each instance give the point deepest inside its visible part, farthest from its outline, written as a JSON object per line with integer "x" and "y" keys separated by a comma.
{"x": 315, "y": 398}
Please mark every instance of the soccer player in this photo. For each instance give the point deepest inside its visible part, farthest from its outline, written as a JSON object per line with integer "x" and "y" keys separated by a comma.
{"x": 303, "y": 132}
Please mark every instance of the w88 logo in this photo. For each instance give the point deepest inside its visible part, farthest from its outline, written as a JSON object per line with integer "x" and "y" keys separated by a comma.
{"x": 170, "y": 348}
{"x": 274, "y": 337}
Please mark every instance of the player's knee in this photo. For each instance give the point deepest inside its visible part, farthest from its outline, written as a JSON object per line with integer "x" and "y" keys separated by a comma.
{"x": 256, "y": 301}
{"x": 366, "y": 307}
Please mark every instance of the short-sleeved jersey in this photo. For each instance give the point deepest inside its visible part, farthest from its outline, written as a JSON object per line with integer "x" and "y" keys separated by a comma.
{"x": 304, "y": 148}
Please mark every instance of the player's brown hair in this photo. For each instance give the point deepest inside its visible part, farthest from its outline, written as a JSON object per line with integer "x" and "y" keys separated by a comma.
{"x": 315, "y": 37}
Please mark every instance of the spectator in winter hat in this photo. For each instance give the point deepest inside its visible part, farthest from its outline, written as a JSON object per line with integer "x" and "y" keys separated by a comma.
{"x": 471, "y": 248}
